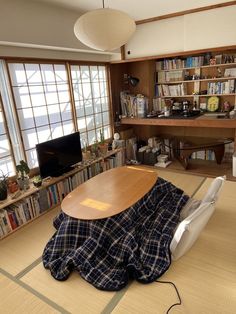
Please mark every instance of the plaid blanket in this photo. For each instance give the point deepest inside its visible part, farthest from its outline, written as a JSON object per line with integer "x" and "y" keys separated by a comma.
{"x": 132, "y": 244}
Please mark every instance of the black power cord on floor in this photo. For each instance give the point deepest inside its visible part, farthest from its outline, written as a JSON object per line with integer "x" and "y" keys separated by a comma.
{"x": 177, "y": 292}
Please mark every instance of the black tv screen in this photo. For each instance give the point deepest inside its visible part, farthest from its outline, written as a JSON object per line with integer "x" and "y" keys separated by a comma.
{"x": 56, "y": 157}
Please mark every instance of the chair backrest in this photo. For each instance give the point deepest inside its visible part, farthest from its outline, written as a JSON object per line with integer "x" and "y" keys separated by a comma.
{"x": 190, "y": 228}
{"x": 214, "y": 190}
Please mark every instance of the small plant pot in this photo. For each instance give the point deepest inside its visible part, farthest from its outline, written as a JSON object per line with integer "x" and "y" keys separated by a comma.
{"x": 37, "y": 184}
{"x": 103, "y": 148}
{"x": 86, "y": 155}
{"x": 23, "y": 183}
{"x": 13, "y": 187}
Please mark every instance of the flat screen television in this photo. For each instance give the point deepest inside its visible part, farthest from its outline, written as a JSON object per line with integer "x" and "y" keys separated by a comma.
{"x": 57, "y": 156}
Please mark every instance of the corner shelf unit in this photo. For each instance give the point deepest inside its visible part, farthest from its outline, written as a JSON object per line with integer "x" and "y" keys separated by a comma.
{"x": 33, "y": 203}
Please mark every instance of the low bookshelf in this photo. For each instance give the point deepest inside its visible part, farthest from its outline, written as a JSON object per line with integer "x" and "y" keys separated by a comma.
{"x": 31, "y": 204}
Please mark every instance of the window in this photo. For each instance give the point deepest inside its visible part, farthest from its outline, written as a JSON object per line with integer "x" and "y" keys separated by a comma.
{"x": 44, "y": 108}
{"x": 43, "y": 105}
{"x": 91, "y": 101}
{"x": 6, "y": 160}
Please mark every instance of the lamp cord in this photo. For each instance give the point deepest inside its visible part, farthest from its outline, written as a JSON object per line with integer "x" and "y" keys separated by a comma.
{"x": 177, "y": 292}
{"x": 103, "y": 4}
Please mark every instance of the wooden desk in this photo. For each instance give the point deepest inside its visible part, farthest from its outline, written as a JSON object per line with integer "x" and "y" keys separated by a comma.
{"x": 202, "y": 121}
{"x": 109, "y": 193}
{"x": 199, "y": 122}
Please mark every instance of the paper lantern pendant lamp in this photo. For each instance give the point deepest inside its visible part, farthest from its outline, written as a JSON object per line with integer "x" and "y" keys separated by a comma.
{"x": 104, "y": 29}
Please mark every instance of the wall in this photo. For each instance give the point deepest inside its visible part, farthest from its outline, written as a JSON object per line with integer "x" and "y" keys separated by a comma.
{"x": 37, "y": 52}
{"x": 207, "y": 29}
{"x": 46, "y": 31}
{"x": 32, "y": 25}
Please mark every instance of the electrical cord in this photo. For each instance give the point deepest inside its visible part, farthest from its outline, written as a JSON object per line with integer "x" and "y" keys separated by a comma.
{"x": 177, "y": 292}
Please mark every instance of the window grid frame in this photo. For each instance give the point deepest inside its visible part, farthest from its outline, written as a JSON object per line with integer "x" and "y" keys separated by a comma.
{"x": 71, "y": 101}
{"x": 43, "y": 85}
{"x": 105, "y": 97}
{"x": 5, "y": 125}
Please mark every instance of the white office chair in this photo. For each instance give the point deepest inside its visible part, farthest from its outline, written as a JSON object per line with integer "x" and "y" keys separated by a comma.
{"x": 195, "y": 217}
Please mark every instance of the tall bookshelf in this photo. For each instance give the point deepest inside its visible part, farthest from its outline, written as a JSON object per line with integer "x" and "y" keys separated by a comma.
{"x": 196, "y": 78}
{"x": 31, "y": 204}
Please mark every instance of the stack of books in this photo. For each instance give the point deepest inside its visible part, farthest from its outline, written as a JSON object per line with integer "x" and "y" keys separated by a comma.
{"x": 162, "y": 161}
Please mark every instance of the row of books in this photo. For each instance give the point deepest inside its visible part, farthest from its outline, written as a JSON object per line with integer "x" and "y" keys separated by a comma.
{"x": 171, "y": 90}
{"x": 167, "y": 148}
{"x": 204, "y": 154}
{"x": 229, "y": 151}
{"x": 128, "y": 108}
{"x": 14, "y": 215}
{"x": 133, "y": 106}
{"x": 170, "y": 76}
{"x": 113, "y": 161}
{"x": 19, "y": 213}
{"x": 226, "y": 87}
{"x": 191, "y": 62}
{"x": 177, "y": 63}
{"x": 210, "y": 155}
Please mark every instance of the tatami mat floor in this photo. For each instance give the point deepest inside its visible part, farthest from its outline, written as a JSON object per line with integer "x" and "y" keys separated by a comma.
{"x": 205, "y": 277}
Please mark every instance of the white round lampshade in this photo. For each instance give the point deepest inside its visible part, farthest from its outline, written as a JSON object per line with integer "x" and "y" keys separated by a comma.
{"x": 104, "y": 29}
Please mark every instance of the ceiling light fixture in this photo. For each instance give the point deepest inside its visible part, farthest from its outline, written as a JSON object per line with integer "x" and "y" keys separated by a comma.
{"x": 104, "y": 29}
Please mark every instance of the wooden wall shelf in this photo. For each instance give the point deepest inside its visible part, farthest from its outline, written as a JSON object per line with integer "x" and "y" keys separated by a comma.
{"x": 197, "y": 122}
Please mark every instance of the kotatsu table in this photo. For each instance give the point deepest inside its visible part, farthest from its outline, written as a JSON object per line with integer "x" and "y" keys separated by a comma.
{"x": 109, "y": 193}
{"x": 116, "y": 226}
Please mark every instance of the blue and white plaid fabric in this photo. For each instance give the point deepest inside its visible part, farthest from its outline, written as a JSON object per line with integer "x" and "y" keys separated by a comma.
{"x": 132, "y": 244}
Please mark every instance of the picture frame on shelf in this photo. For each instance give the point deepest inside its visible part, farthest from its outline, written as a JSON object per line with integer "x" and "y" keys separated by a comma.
{"x": 213, "y": 103}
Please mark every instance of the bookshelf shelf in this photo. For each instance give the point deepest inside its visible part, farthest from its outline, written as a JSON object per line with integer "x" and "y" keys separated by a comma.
{"x": 201, "y": 67}
{"x": 31, "y": 204}
{"x": 229, "y": 64}
{"x": 208, "y": 95}
{"x": 200, "y": 80}
{"x": 180, "y": 96}
{"x": 196, "y": 95}
{"x": 199, "y": 122}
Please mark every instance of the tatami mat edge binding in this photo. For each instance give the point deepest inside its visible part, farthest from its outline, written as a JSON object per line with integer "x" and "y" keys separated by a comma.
{"x": 34, "y": 292}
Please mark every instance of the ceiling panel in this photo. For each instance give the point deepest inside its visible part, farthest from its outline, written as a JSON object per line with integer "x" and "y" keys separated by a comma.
{"x": 136, "y": 9}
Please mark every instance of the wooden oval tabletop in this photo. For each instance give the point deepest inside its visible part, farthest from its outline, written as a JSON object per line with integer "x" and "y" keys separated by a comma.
{"x": 109, "y": 192}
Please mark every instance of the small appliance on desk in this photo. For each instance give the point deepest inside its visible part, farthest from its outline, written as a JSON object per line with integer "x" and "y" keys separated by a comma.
{"x": 184, "y": 110}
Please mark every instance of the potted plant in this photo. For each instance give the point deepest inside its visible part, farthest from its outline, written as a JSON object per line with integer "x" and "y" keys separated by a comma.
{"x": 37, "y": 181}
{"x": 23, "y": 178}
{"x": 85, "y": 152}
{"x": 3, "y": 187}
{"x": 94, "y": 148}
{"x": 102, "y": 144}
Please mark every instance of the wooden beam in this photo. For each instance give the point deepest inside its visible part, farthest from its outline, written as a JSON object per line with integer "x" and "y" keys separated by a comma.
{"x": 178, "y": 54}
{"x": 168, "y": 16}
{"x": 122, "y": 51}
